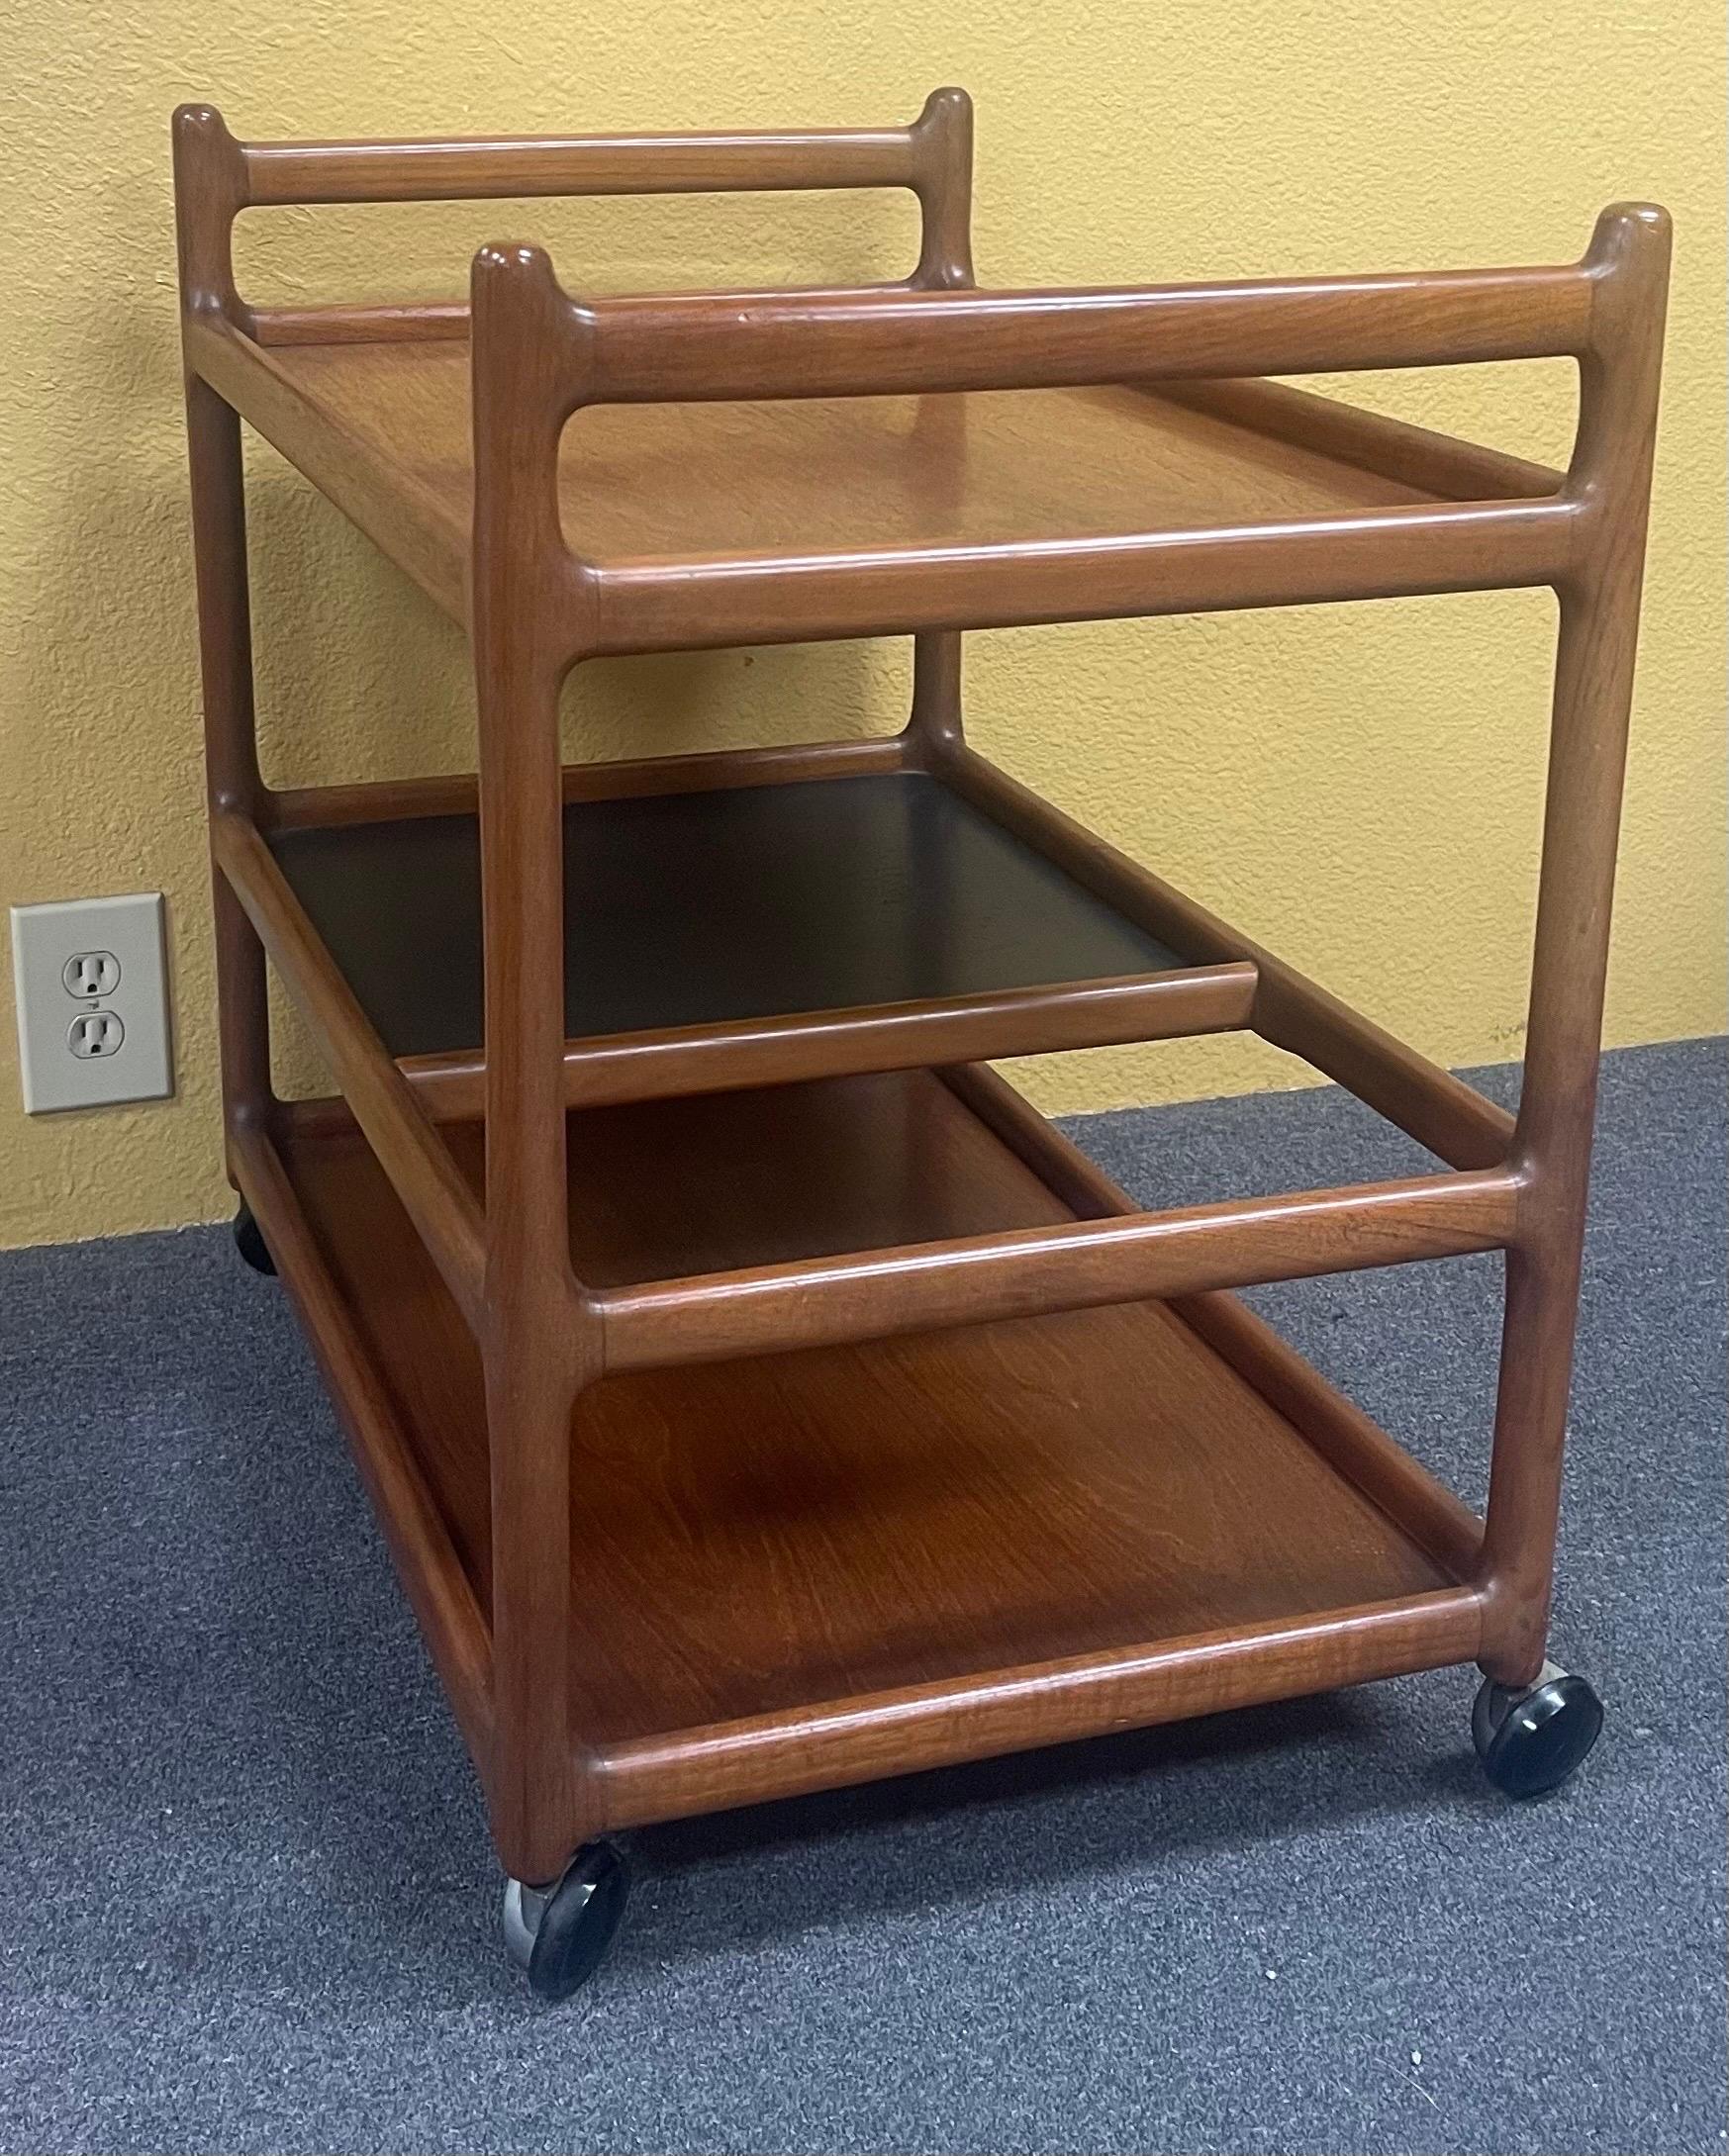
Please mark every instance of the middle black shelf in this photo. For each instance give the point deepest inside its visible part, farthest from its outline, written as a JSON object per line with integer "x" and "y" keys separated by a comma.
{"x": 748, "y": 934}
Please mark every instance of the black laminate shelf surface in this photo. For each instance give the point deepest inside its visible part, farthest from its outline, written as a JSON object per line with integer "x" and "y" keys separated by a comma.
{"x": 695, "y": 908}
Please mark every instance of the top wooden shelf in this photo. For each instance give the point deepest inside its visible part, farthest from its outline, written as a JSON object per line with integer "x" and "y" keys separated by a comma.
{"x": 841, "y": 477}
{"x": 911, "y": 509}
{"x": 726, "y": 468}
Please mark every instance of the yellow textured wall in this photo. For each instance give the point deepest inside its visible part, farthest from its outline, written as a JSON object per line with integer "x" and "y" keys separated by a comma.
{"x": 1358, "y": 786}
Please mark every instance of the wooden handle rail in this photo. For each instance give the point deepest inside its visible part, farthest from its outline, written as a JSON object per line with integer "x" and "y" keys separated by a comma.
{"x": 482, "y": 169}
{"x": 728, "y": 347}
{"x": 931, "y": 158}
{"x": 619, "y": 164}
{"x": 913, "y": 344}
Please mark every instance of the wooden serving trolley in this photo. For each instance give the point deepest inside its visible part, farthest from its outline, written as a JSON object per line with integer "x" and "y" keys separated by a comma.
{"x": 757, "y": 1395}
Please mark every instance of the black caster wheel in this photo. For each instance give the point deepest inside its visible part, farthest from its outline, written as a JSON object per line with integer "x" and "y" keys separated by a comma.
{"x": 1531, "y": 1740}
{"x": 560, "y": 1933}
{"x": 251, "y": 1245}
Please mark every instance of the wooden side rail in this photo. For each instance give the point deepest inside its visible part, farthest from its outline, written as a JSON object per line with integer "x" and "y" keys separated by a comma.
{"x": 938, "y": 1725}
{"x": 433, "y": 1572}
{"x": 444, "y": 1209}
{"x": 1372, "y": 441}
{"x": 1357, "y": 1448}
{"x": 1032, "y": 1272}
{"x": 440, "y": 320}
{"x": 767, "y": 599}
{"x": 416, "y": 532}
{"x": 731, "y": 1057}
{"x": 368, "y": 801}
{"x": 1291, "y": 1011}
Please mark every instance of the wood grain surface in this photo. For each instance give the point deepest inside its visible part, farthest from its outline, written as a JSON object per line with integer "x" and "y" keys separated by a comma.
{"x": 753, "y": 1536}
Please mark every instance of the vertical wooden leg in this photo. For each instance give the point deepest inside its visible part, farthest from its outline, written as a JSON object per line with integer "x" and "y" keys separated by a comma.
{"x": 1587, "y": 750}
{"x": 535, "y": 1344}
{"x": 1530, "y": 1431}
{"x": 539, "y": 1339}
{"x": 532, "y": 1782}
{"x": 533, "y": 1356}
{"x": 1552, "y": 1145}
{"x": 225, "y": 635}
{"x": 944, "y": 139}
{"x": 934, "y": 729}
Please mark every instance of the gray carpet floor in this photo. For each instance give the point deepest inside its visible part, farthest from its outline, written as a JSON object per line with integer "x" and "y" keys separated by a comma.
{"x": 246, "y": 1900}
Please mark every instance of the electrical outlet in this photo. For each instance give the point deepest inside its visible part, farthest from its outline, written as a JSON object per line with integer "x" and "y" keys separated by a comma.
{"x": 91, "y": 972}
{"x": 96, "y": 1033}
{"x": 91, "y": 989}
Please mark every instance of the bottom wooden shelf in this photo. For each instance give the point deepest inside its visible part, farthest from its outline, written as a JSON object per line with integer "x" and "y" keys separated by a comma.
{"x": 954, "y": 1518}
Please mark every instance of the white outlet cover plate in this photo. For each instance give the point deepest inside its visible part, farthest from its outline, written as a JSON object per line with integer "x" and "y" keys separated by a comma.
{"x": 44, "y": 938}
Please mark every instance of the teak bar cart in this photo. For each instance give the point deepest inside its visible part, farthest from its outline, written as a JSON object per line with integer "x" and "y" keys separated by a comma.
{"x": 759, "y": 1396}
